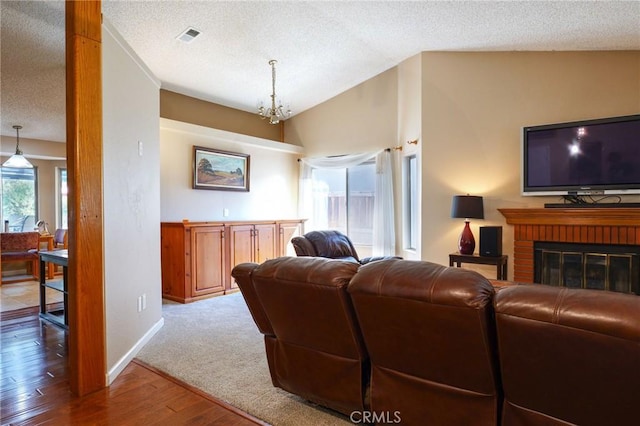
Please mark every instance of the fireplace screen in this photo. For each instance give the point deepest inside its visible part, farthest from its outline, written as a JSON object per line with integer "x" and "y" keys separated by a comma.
{"x": 599, "y": 267}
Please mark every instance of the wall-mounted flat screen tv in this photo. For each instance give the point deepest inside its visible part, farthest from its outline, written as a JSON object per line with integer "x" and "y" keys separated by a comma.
{"x": 600, "y": 156}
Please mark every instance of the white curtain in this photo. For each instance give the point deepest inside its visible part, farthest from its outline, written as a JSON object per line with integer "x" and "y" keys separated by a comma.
{"x": 383, "y": 218}
{"x": 384, "y": 235}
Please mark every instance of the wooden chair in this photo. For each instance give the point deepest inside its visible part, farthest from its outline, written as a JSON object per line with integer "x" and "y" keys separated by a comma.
{"x": 60, "y": 242}
{"x": 20, "y": 247}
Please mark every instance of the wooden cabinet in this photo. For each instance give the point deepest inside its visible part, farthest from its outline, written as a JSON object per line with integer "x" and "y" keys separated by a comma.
{"x": 197, "y": 257}
{"x": 193, "y": 261}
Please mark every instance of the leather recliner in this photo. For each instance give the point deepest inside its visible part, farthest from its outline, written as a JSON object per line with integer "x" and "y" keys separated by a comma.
{"x": 330, "y": 244}
{"x": 313, "y": 342}
{"x": 568, "y": 356}
{"x": 431, "y": 339}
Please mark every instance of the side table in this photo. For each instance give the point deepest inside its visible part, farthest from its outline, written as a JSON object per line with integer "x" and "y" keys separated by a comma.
{"x": 499, "y": 261}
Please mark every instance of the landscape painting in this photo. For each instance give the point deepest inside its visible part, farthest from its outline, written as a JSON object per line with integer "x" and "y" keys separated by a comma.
{"x": 220, "y": 170}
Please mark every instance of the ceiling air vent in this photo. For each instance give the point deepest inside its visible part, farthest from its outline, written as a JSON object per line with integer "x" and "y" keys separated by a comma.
{"x": 188, "y": 35}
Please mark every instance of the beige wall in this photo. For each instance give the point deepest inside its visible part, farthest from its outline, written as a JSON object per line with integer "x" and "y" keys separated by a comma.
{"x": 273, "y": 177}
{"x": 472, "y": 107}
{"x": 361, "y": 119}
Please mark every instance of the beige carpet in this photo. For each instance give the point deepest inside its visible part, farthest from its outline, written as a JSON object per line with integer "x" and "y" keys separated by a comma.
{"x": 215, "y": 346}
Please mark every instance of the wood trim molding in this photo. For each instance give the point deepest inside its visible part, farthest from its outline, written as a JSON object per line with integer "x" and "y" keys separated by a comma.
{"x": 577, "y": 216}
{"x": 87, "y": 353}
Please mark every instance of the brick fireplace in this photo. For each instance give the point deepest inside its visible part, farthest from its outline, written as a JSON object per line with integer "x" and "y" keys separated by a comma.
{"x": 602, "y": 226}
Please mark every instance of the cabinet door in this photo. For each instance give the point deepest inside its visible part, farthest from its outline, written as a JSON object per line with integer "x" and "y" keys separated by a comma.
{"x": 241, "y": 244}
{"x": 207, "y": 260}
{"x": 287, "y": 231}
{"x": 265, "y": 242}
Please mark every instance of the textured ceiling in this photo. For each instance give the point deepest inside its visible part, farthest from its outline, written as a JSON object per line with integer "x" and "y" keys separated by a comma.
{"x": 323, "y": 48}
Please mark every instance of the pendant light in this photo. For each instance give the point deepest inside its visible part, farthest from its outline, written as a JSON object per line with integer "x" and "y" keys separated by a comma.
{"x": 17, "y": 160}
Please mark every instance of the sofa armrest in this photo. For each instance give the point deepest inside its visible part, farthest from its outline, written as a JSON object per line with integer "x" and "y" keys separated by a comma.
{"x": 242, "y": 274}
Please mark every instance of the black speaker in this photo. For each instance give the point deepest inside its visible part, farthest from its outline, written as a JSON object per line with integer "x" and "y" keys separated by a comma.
{"x": 491, "y": 241}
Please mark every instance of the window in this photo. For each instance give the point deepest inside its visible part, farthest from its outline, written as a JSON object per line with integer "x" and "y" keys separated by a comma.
{"x": 62, "y": 191}
{"x": 411, "y": 201}
{"x": 19, "y": 198}
{"x": 343, "y": 199}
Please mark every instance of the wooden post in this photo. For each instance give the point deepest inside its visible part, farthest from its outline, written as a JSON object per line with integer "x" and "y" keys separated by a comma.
{"x": 87, "y": 356}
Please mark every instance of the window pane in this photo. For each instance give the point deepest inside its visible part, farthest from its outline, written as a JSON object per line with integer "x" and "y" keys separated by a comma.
{"x": 62, "y": 199}
{"x": 361, "y": 186}
{"x": 411, "y": 202}
{"x": 19, "y": 198}
{"x": 329, "y": 199}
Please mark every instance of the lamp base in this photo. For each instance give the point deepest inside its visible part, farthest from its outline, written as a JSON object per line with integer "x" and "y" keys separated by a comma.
{"x": 467, "y": 243}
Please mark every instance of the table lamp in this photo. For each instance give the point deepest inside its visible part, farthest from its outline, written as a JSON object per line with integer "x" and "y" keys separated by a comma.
{"x": 467, "y": 207}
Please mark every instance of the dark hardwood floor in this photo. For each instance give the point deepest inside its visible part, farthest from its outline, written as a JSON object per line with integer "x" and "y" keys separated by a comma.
{"x": 34, "y": 386}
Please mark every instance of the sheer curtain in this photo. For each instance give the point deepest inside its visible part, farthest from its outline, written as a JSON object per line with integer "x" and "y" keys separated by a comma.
{"x": 383, "y": 217}
{"x": 384, "y": 235}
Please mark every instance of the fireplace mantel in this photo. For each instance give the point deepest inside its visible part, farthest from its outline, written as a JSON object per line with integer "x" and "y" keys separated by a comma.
{"x": 618, "y": 225}
{"x": 616, "y": 216}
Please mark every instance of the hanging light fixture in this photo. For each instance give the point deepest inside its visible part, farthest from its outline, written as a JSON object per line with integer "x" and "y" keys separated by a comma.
{"x": 17, "y": 160}
{"x": 274, "y": 113}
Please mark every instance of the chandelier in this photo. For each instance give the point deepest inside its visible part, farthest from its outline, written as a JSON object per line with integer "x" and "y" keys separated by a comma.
{"x": 274, "y": 113}
{"x": 17, "y": 160}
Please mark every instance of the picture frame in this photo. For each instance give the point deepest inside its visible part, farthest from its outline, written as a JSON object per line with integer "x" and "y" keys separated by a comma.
{"x": 219, "y": 170}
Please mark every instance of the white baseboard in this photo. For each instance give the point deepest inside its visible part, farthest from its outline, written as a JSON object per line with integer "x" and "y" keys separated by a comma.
{"x": 126, "y": 359}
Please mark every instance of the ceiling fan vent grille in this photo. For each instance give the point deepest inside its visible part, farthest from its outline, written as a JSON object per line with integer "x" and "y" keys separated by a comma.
{"x": 188, "y": 35}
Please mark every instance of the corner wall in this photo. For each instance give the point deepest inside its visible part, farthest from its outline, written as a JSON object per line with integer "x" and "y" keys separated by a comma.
{"x": 131, "y": 201}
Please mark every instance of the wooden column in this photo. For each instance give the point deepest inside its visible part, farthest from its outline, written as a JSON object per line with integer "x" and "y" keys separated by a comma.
{"x": 84, "y": 167}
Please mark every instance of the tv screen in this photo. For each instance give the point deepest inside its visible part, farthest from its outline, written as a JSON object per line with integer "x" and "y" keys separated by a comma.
{"x": 582, "y": 158}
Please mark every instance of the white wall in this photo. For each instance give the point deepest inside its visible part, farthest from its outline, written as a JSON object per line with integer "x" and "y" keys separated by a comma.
{"x": 131, "y": 201}
{"x": 273, "y": 176}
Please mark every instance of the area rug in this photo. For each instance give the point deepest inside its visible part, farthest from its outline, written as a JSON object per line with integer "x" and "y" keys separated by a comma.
{"x": 214, "y": 345}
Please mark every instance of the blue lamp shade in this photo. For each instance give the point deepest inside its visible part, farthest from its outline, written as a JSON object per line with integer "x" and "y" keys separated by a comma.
{"x": 467, "y": 207}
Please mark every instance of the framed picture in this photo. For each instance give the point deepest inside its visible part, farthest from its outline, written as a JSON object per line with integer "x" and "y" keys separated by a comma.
{"x": 220, "y": 170}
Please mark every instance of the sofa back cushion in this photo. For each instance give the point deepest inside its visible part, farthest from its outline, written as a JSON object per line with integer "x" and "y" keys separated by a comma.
{"x": 332, "y": 244}
{"x": 569, "y": 355}
{"x": 431, "y": 341}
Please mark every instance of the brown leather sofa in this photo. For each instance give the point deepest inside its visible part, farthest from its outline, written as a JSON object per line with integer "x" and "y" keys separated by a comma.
{"x": 569, "y": 356}
{"x": 332, "y": 245}
{"x": 422, "y": 343}
{"x": 430, "y": 335}
{"x": 313, "y": 341}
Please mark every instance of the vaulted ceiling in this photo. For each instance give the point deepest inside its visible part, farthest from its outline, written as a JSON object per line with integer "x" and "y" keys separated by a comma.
{"x": 323, "y": 48}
